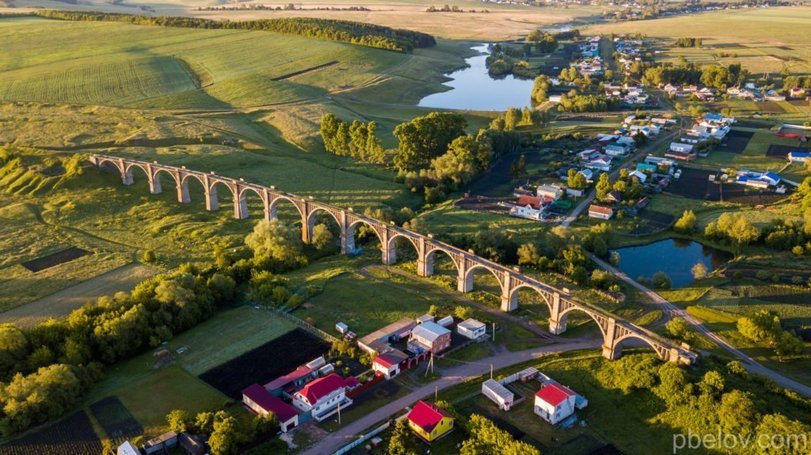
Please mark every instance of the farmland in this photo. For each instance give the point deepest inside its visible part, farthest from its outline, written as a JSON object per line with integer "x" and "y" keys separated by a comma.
{"x": 762, "y": 40}
{"x": 73, "y": 434}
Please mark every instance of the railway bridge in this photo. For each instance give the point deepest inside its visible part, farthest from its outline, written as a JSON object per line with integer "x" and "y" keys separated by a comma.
{"x": 560, "y": 304}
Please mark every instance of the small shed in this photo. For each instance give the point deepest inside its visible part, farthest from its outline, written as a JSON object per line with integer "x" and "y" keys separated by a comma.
{"x": 471, "y": 328}
{"x": 161, "y": 443}
{"x": 341, "y": 328}
{"x": 446, "y": 321}
{"x": 498, "y": 394}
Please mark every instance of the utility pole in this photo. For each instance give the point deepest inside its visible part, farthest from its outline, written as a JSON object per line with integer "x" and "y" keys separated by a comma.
{"x": 494, "y": 332}
{"x": 436, "y": 393}
{"x": 339, "y": 413}
{"x": 491, "y": 371}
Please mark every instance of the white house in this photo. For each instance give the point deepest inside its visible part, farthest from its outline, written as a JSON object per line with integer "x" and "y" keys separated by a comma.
{"x": 601, "y": 163}
{"x": 127, "y": 449}
{"x": 529, "y": 207}
{"x": 549, "y": 191}
{"x": 554, "y": 402}
{"x": 680, "y": 147}
{"x": 600, "y": 212}
{"x": 798, "y": 156}
{"x": 498, "y": 394}
{"x": 615, "y": 150}
{"x": 587, "y": 173}
{"x": 472, "y": 329}
{"x": 387, "y": 365}
{"x": 322, "y": 397}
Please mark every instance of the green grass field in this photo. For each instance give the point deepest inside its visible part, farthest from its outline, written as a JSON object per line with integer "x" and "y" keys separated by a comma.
{"x": 150, "y": 393}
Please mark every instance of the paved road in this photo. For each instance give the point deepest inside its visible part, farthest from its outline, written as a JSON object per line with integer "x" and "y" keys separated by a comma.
{"x": 450, "y": 377}
{"x": 583, "y": 205}
{"x": 673, "y": 311}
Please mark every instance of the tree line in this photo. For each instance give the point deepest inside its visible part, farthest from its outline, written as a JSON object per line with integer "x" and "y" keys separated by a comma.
{"x": 688, "y": 42}
{"x": 363, "y": 34}
{"x": 716, "y": 76}
{"x": 357, "y": 139}
{"x": 57, "y": 361}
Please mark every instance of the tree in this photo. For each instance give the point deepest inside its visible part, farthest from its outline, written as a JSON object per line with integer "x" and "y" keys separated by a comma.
{"x": 425, "y": 138}
{"x": 519, "y": 167}
{"x": 687, "y": 223}
{"x": 678, "y": 328}
{"x": 576, "y": 180}
{"x": 794, "y": 434}
{"x": 661, "y": 280}
{"x": 603, "y": 186}
{"x": 540, "y": 89}
{"x": 674, "y": 385}
{"x": 178, "y": 420}
{"x": 463, "y": 312}
{"x": 433, "y": 310}
{"x": 737, "y": 413}
{"x": 512, "y": 118}
{"x": 486, "y": 439}
{"x": 464, "y": 159}
{"x": 225, "y": 436}
{"x": 401, "y": 442}
{"x": 712, "y": 383}
{"x": 13, "y": 347}
{"x": 276, "y": 245}
{"x": 699, "y": 270}
{"x": 528, "y": 254}
{"x": 322, "y": 237}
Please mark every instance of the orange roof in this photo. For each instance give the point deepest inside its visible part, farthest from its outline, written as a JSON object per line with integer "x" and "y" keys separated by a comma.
{"x": 534, "y": 201}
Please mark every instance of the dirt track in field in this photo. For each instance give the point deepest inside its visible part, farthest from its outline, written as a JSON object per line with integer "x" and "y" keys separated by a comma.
{"x": 61, "y": 303}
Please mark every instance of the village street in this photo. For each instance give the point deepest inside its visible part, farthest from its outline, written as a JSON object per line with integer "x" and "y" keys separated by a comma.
{"x": 450, "y": 377}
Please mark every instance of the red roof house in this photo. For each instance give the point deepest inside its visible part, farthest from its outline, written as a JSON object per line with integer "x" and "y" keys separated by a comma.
{"x": 323, "y": 396}
{"x": 554, "y": 402}
{"x": 321, "y": 388}
{"x": 429, "y": 420}
{"x": 259, "y": 400}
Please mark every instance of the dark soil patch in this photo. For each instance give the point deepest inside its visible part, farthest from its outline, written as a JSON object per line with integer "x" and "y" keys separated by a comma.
{"x": 798, "y": 102}
{"x": 265, "y": 363}
{"x": 116, "y": 419}
{"x": 55, "y": 259}
{"x": 780, "y": 150}
{"x": 736, "y": 141}
{"x": 482, "y": 204}
{"x": 695, "y": 184}
{"x": 658, "y": 218}
{"x": 753, "y": 124}
{"x": 742, "y": 194}
{"x": 73, "y": 435}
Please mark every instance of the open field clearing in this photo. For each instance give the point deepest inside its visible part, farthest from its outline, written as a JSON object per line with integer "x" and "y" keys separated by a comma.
{"x": 763, "y": 40}
{"x": 61, "y": 303}
{"x": 499, "y": 22}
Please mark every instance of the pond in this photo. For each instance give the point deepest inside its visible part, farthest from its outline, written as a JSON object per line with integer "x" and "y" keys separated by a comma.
{"x": 675, "y": 257}
{"x": 473, "y": 89}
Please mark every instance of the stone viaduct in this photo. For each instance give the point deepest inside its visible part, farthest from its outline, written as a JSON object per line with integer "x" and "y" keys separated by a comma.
{"x": 511, "y": 280}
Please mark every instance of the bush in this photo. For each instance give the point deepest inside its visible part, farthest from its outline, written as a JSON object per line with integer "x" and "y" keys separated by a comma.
{"x": 661, "y": 280}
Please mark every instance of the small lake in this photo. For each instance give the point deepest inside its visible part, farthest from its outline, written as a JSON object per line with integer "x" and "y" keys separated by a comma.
{"x": 473, "y": 89}
{"x": 675, "y": 257}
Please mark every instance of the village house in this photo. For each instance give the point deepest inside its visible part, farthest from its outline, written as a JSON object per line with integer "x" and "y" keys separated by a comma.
{"x": 614, "y": 196}
{"x": 797, "y": 92}
{"x": 530, "y": 207}
{"x": 600, "y": 212}
{"x": 574, "y": 192}
{"x": 259, "y": 400}
{"x": 388, "y": 364}
{"x": 498, "y": 394}
{"x": 429, "y": 336}
{"x": 472, "y": 329}
{"x": 191, "y": 444}
{"x": 554, "y": 402}
{"x": 127, "y": 448}
{"x": 797, "y": 156}
{"x": 429, "y": 421}
{"x": 761, "y": 180}
{"x": 552, "y": 192}
{"x": 322, "y": 397}
{"x": 681, "y": 151}
{"x": 600, "y": 163}
{"x": 292, "y": 381}
{"x": 616, "y": 149}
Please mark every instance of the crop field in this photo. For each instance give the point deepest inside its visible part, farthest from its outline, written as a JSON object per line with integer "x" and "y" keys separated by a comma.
{"x": 762, "y": 40}
{"x": 115, "y": 419}
{"x": 73, "y": 434}
{"x": 694, "y": 184}
{"x": 263, "y": 364}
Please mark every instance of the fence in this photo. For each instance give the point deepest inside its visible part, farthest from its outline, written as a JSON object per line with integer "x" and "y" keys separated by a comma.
{"x": 305, "y": 325}
{"x": 367, "y": 436}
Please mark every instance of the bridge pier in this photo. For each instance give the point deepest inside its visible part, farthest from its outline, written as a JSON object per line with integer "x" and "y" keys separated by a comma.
{"x": 557, "y": 319}
{"x": 155, "y": 185}
{"x": 240, "y": 206}
{"x": 126, "y": 177}
{"x": 425, "y": 265}
{"x": 389, "y": 253}
{"x": 464, "y": 281}
{"x": 347, "y": 241}
{"x": 212, "y": 202}
{"x": 609, "y": 341}
{"x": 183, "y": 192}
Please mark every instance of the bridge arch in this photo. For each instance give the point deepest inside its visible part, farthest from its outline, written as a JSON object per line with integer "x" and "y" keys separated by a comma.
{"x": 111, "y": 163}
{"x": 316, "y": 209}
{"x": 276, "y": 199}
{"x": 173, "y": 175}
{"x": 513, "y": 295}
{"x": 466, "y": 280}
{"x": 430, "y": 259}
{"x": 563, "y": 316}
{"x": 243, "y": 191}
{"x": 616, "y": 346}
